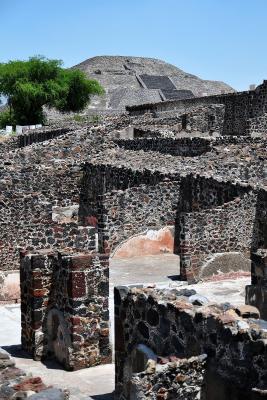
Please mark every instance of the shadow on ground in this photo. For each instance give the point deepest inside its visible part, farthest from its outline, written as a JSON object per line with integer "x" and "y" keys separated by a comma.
{"x": 17, "y": 351}
{"x": 174, "y": 277}
{"x": 107, "y": 396}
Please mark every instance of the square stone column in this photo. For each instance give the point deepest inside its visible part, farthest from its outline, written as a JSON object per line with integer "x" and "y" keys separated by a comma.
{"x": 256, "y": 293}
{"x": 64, "y": 307}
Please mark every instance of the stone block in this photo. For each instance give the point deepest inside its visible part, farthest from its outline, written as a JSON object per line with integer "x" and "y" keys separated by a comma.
{"x": 247, "y": 311}
{"x": 9, "y": 129}
{"x": 18, "y": 129}
{"x": 76, "y": 285}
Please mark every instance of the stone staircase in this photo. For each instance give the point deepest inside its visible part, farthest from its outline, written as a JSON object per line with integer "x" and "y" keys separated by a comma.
{"x": 176, "y": 94}
{"x": 158, "y": 82}
{"x": 166, "y": 86}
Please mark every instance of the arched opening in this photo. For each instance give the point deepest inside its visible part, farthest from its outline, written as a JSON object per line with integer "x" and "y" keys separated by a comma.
{"x": 147, "y": 257}
{"x": 149, "y": 243}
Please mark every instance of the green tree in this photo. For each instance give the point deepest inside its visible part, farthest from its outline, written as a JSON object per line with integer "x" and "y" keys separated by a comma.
{"x": 29, "y": 85}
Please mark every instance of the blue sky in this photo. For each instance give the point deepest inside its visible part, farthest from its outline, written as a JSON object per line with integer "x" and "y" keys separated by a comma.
{"x": 214, "y": 39}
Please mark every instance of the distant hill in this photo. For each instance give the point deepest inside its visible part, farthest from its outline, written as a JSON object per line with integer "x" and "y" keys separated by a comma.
{"x": 137, "y": 80}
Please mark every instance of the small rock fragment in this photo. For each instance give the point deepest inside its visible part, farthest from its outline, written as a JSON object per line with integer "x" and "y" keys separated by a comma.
{"x": 198, "y": 300}
{"x": 246, "y": 311}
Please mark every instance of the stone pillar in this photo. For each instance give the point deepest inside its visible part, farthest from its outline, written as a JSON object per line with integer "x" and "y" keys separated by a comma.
{"x": 256, "y": 293}
{"x": 36, "y": 276}
{"x": 188, "y": 261}
{"x": 64, "y": 306}
{"x": 120, "y": 292}
{"x": 87, "y": 314}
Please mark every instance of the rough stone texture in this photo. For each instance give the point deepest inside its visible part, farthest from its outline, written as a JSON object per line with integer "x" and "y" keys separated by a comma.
{"x": 209, "y": 217}
{"x": 132, "y": 207}
{"x": 32, "y": 186}
{"x": 41, "y": 180}
{"x": 173, "y": 329}
{"x": 128, "y": 80}
{"x": 187, "y": 147}
{"x": 244, "y": 112}
{"x": 180, "y": 379}
{"x": 216, "y": 230}
{"x": 64, "y": 306}
{"x": 27, "y": 221}
{"x": 256, "y": 293}
{"x": 82, "y": 191}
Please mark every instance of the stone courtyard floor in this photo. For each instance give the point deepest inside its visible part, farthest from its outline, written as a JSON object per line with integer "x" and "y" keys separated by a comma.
{"x": 98, "y": 382}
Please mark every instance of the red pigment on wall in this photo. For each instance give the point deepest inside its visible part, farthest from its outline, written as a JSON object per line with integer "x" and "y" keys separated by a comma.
{"x": 151, "y": 243}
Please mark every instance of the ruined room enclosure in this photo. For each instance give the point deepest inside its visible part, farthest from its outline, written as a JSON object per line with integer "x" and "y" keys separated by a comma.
{"x": 208, "y": 223}
{"x": 215, "y": 229}
{"x": 50, "y": 166}
{"x": 167, "y": 345}
{"x": 127, "y": 220}
{"x": 241, "y": 113}
{"x": 53, "y": 324}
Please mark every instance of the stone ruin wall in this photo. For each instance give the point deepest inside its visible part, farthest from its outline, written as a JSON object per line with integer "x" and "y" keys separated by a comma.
{"x": 30, "y": 137}
{"x": 37, "y": 190}
{"x": 205, "y": 192}
{"x": 206, "y": 119}
{"x": 167, "y": 330}
{"x": 127, "y": 203}
{"x": 17, "y": 183}
{"x": 28, "y": 197}
{"x": 115, "y": 202}
{"x": 257, "y": 125}
{"x": 40, "y": 195}
{"x": 41, "y": 135}
{"x": 39, "y": 272}
{"x": 38, "y": 209}
{"x": 215, "y": 226}
{"x": 185, "y": 147}
{"x": 203, "y": 120}
{"x": 189, "y": 379}
{"x": 137, "y": 210}
{"x": 217, "y": 233}
{"x": 203, "y": 149}
{"x": 256, "y": 293}
{"x": 244, "y": 112}
{"x": 212, "y": 221}
{"x": 64, "y": 306}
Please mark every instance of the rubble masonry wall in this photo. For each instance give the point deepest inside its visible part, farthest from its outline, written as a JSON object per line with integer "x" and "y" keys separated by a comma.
{"x": 121, "y": 203}
{"x": 64, "y": 306}
{"x": 168, "y": 324}
{"x": 224, "y": 229}
{"x": 244, "y": 111}
{"x": 28, "y": 195}
{"x": 187, "y": 147}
